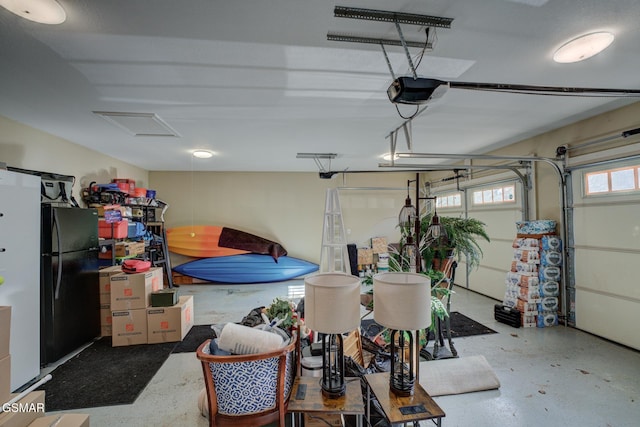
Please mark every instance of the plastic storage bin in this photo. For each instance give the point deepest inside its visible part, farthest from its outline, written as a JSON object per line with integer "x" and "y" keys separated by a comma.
{"x": 114, "y": 230}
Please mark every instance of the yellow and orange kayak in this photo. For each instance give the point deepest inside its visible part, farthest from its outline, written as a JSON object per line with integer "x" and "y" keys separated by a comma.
{"x": 208, "y": 241}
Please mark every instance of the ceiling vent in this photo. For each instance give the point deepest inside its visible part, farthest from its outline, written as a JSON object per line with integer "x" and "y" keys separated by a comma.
{"x": 138, "y": 124}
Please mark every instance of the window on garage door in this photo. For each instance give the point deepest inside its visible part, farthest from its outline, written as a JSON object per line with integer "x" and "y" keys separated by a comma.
{"x": 608, "y": 181}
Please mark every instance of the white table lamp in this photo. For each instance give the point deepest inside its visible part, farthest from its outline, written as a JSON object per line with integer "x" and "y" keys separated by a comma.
{"x": 332, "y": 307}
{"x": 402, "y": 303}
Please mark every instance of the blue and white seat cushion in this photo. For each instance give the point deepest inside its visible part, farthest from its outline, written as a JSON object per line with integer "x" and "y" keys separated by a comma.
{"x": 244, "y": 388}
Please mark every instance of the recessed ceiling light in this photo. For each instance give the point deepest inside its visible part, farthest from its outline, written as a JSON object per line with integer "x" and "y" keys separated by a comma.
{"x": 583, "y": 47}
{"x": 202, "y": 154}
{"x": 41, "y": 11}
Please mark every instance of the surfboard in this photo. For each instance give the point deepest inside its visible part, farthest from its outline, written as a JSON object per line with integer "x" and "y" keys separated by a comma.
{"x": 207, "y": 241}
{"x": 246, "y": 268}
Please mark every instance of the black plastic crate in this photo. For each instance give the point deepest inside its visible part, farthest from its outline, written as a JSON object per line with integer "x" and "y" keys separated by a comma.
{"x": 507, "y": 315}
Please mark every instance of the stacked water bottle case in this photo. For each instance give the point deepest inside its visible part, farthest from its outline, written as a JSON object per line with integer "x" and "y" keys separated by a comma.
{"x": 534, "y": 280}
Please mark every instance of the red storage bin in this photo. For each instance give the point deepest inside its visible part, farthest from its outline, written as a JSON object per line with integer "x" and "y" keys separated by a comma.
{"x": 127, "y": 185}
{"x": 113, "y": 230}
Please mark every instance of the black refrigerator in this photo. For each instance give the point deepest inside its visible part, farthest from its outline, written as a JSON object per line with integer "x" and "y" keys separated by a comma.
{"x": 69, "y": 281}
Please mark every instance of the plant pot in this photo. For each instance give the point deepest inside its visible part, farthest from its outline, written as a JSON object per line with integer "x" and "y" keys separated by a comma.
{"x": 442, "y": 264}
{"x": 367, "y": 300}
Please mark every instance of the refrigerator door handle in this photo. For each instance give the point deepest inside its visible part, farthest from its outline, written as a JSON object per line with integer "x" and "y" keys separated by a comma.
{"x": 59, "y": 278}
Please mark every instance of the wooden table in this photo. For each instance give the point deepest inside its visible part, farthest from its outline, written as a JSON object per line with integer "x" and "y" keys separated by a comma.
{"x": 315, "y": 403}
{"x": 397, "y": 409}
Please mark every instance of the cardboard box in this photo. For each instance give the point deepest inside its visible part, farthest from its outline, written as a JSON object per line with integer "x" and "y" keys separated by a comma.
{"x": 5, "y": 330}
{"x": 365, "y": 256}
{"x": 105, "y": 282}
{"x": 169, "y": 324}
{"x": 379, "y": 245}
{"x": 62, "y": 420}
{"x": 129, "y": 249}
{"x": 129, "y": 327}
{"x": 105, "y": 320}
{"x": 130, "y": 291}
{"x": 24, "y": 411}
{"x": 5, "y": 379}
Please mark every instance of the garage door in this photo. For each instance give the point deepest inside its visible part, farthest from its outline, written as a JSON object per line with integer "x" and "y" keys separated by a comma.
{"x": 498, "y": 202}
{"x": 605, "y": 236}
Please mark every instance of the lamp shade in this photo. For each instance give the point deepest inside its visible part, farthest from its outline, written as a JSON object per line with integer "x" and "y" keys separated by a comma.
{"x": 402, "y": 301}
{"x": 332, "y": 302}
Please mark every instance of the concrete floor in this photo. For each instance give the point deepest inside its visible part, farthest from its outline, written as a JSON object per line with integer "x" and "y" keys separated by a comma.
{"x": 556, "y": 376}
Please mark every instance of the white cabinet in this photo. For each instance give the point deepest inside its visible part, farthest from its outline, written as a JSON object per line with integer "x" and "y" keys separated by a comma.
{"x": 20, "y": 269}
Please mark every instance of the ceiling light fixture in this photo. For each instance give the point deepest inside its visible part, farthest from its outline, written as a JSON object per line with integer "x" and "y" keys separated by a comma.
{"x": 583, "y": 47}
{"x": 40, "y": 11}
{"x": 203, "y": 154}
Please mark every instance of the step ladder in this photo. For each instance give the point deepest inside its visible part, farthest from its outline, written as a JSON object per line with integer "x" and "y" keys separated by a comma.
{"x": 334, "y": 256}
{"x": 160, "y": 258}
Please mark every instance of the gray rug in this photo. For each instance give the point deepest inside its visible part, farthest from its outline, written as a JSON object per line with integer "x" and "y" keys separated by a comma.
{"x": 456, "y": 376}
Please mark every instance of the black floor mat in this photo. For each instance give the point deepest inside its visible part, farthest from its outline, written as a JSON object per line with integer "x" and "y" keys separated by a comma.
{"x": 461, "y": 326}
{"x": 102, "y": 375}
{"x": 196, "y": 336}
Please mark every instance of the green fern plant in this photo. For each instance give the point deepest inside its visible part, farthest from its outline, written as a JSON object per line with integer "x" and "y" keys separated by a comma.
{"x": 438, "y": 310}
{"x": 461, "y": 241}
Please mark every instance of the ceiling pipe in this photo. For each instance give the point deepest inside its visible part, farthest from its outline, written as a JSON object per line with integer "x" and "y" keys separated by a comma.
{"x": 439, "y": 167}
{"x": 470, "y": 156}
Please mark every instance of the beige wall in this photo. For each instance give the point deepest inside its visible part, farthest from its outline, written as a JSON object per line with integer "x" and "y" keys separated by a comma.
{"x": 27, "y": 148}
{"x": 284, "y": 207}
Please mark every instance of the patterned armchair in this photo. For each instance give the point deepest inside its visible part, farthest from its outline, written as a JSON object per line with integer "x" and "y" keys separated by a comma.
{"x": 248, "y": 390}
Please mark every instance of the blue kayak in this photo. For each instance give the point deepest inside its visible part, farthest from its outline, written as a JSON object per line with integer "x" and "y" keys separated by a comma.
{"x": 246, "y": 268}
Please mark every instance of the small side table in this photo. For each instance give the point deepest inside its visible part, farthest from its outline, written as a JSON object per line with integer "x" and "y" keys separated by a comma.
{"x": 315, "y": 403}
{"x": 399, "y": 410}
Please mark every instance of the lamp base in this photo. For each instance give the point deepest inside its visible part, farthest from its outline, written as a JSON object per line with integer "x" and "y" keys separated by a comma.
{"x": 401, "y": 392}
{"x": 333, "y": 392}
{"x": 332, "y": 381}
{"x": 402, "y": 387}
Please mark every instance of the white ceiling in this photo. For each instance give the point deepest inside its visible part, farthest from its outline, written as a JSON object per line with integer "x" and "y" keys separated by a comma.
{"x": 257, "y": 81}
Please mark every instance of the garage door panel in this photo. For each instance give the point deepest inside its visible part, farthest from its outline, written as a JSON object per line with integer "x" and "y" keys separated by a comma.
{"x": 501, "y": 224}
{"x": 613, "y": 318}
{"x": 498, "y": 254}
{"x": 609, "y": 272}
{"x": 605, "y": 229}
{"x": 500, "y": 221}
{"x": 488, "y": 282}
{"x": 600, "y": 226}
